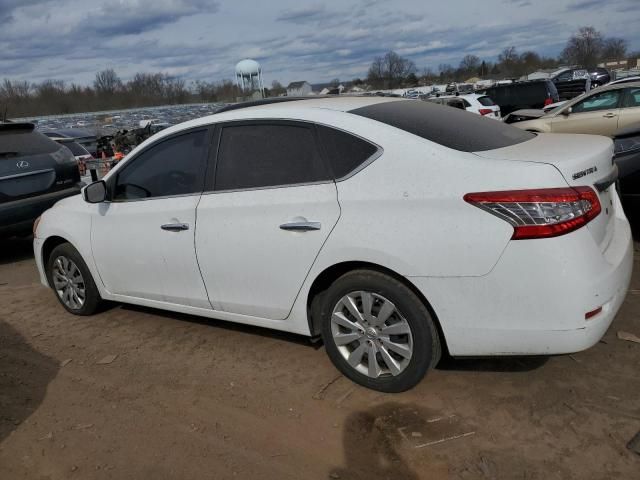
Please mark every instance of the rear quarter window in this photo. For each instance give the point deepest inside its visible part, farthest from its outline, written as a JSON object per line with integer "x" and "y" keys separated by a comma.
{"x": 346, "y": 153}
{"x": 449, "y": 127}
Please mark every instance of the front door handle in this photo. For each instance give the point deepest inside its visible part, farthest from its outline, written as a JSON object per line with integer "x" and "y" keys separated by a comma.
{"x": 175, "y": 227}
{"x": 609, "y": 115}
{"x": 301, "y": 226}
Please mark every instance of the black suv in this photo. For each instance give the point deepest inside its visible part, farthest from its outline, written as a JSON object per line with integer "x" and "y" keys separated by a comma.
{"x": 575, "y": 81}
{"x": 534, "y": 94}
{"x": 35, "y": 172}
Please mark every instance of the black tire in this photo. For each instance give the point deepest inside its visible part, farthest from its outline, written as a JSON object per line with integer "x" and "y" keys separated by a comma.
{"x": 425, "y": 340}
{"x": 92, "y": 299}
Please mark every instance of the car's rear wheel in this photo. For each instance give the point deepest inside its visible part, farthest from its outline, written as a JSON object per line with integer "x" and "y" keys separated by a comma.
{"x": 378, "y": 332}
{"x": 71, "y": 280}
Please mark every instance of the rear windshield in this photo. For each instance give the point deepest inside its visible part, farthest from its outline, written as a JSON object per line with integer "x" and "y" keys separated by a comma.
{"x": 25, "y": 143}
{"x": 486, "y": 101}
{"x": 75, "y": 148}
{"x": 450, "y": 127}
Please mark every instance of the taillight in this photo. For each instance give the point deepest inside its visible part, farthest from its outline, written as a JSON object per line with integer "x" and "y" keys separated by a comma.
{"x": 540, "y": 213}
{"x": 548, "y": 101}
{"x": 485, "y": 111}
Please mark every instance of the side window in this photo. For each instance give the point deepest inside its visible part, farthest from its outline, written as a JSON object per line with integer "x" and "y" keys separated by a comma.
{"x": 345, "y": 152}
{"x": 466, "y": 103}
{"x": 564, "y": 76}
{"x": 631, "y": 98}
{"x": 456, "y": 103}
{"x": 170, "y": 167}
{"x": 599, "y": 101}
{"x": 267, "y": 155}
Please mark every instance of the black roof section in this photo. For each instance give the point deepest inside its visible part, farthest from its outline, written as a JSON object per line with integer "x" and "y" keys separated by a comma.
{"x": 264, "y": 101}
{"x": 16, "y": 126}
{"x": 447, "y": 126}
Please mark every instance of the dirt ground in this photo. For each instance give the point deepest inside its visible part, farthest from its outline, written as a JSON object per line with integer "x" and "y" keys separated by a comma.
{"x": 190, "y": 398}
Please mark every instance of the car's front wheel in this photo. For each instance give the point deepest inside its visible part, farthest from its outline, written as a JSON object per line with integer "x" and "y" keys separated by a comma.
{"x": 378, "y": 332}
{"x": 71, "y": 280}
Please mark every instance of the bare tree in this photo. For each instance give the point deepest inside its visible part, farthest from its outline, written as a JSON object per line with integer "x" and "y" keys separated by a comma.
{"x": 469, "y": 64}
{"x": 446, "y": 72}
{"x": 584, "y": 48}
{"x": 508, "y": 55}
{"x": 107, "y": 82}
{"x": 614, "y": 49}
{"x": 376, "y": 74}
{"x": 390, "y": 71}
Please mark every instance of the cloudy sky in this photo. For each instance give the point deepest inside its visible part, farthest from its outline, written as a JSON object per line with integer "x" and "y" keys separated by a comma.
{"x": 293, "y": 39}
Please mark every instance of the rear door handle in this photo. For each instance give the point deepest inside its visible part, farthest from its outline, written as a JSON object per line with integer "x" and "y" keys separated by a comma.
{"x": 301, "y": 226}
{"x": 175, "y": 227}
{"x": 609, "y": 115}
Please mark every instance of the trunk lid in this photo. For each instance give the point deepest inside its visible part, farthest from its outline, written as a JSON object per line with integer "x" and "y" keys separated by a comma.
{"x": 583, "y": 160}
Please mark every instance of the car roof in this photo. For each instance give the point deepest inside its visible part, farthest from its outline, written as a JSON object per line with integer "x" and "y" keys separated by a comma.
{"x": 342, "y": 103}
{"x": 462, "y": 95}
{"x": 69, "y": 132}
{"x": 616, "y": 86}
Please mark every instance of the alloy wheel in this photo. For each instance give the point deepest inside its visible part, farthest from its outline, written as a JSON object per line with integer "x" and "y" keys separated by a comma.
{"x": 68, "y": 282}
{"x": 371, "y": 334}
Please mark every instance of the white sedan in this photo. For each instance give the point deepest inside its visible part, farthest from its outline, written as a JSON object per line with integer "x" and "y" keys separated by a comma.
{"x": 394, "y": 229}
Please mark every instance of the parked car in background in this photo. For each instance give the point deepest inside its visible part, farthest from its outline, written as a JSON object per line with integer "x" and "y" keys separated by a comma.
{"x": 530, "y": 114}
{"x": 79, "y": 152}
{"x": 35, "y": 172}
{"x": 480, "y": 104}
{"x": 532, "y": 94}
{"x": 634, "y": 78}
{"x": 571, "y": 83}
{"x": 389, "y": 227}
{"x": 461, "y": 88}
{"x": 627, "y": 157}
{"x": 85, "y": 138}
{"x": 602, "y": 112}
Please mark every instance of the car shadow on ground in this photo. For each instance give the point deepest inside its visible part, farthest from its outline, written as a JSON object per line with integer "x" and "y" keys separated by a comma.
{"x": 492, "y": 364}
{"x": 15, "y": 249}
{"x": 25, "y": 374}
{"x": 372, "y": 444}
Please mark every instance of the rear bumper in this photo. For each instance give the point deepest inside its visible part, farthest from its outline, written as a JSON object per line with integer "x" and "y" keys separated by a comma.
{"x": 18, "y": 216}
{"x": 535, "y": 299}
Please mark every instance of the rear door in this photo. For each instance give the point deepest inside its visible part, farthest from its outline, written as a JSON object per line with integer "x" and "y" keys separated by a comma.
{"x": 272, "y": 206}
{"x": 630, "y": 111}
{"x": 596, "y": 114}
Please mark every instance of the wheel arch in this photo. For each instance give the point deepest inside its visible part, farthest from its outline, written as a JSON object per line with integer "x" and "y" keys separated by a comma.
{"x": 332, "y": 273}
{"x": 49, "y": 244}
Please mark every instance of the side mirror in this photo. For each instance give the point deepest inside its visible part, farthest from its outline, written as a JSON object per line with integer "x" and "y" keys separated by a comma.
{"x": 567, "y": 111}
{"x": 95, "y": 192}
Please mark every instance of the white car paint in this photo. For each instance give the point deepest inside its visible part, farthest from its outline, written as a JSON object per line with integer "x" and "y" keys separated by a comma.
{"x": 403, "y": 212}
{"x": 475, "y": 106}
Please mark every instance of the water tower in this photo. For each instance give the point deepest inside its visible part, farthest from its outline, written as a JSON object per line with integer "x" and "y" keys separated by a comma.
{"x": 249, "y": 77}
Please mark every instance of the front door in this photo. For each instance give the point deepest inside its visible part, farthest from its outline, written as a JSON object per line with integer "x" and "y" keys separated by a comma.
{"x": 143, "y": 239}
{"x": 596, "y": 114}
{"x": 272, "y": 208}
{"x": 630, "y": 111}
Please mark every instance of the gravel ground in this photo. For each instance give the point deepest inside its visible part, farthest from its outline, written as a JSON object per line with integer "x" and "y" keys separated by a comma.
{"x": 136, "y": 393}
